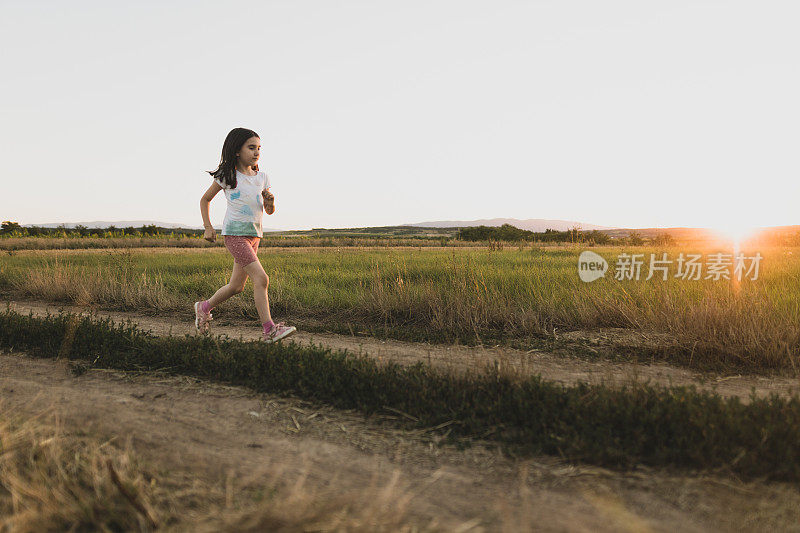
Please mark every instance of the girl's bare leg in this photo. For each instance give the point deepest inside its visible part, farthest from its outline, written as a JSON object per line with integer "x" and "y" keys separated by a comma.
{"x": 260, "y": 284}
{"x": 234, "y": 286}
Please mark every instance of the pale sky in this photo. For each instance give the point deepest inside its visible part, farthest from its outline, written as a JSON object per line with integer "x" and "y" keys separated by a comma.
{"x": 635, "y": 114}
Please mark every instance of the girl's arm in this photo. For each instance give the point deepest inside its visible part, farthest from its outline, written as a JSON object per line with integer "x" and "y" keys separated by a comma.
{"x": 209, "y": 195}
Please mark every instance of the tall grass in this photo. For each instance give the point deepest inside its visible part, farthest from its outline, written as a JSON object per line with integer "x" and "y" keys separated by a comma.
{"x": 77, "y": 243}
{"x": 442, "y": 294}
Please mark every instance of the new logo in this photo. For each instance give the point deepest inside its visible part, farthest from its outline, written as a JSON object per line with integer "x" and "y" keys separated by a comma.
{"x": 591, "y": 266}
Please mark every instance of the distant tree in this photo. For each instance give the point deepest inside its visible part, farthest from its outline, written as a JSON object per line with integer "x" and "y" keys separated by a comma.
{"x": 575, "y": 234}
{"x": 81, "y": 230}
{"x": 597, "y": 237}
{"x": 506, "y": 232}
{"x": 9, "y": 227}
{"x": 664, "y": 239}
{"x": 150, "y": 229}
{"x": 635, "y": 238}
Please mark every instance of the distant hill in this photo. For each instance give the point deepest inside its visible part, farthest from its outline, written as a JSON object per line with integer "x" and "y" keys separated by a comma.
{"x": 531, "y": 224}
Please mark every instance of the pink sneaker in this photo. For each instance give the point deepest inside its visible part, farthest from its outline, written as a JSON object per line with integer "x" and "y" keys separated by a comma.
{"x": 201, "y": 318}
{"x": 279, "y": 331}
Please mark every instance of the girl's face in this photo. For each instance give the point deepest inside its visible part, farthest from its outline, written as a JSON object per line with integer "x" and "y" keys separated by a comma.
{"x": 249, "y": 152}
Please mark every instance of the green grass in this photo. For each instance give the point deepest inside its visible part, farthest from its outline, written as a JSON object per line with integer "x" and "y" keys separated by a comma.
{"x": 618, "y": 427}
{"x": 443, "y": 295}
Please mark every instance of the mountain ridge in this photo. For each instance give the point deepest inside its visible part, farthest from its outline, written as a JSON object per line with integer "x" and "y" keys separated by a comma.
{"x": 531, "y": 224}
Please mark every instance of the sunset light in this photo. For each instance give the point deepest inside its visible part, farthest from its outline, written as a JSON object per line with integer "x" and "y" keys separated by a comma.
{"x": 400, "y": 266}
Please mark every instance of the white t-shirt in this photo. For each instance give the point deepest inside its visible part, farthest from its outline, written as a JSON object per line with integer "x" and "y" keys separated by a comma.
{"x": 245, "y": 205}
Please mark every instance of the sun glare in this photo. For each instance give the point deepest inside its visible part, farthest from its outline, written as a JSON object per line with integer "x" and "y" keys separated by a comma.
{"x": 735, "y": 232}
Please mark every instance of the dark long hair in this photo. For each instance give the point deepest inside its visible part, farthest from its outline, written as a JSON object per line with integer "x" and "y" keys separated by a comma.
{"x": 226, "y": 171}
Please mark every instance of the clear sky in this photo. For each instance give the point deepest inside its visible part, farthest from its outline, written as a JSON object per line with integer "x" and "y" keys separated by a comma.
{"x": 621, "y": 113}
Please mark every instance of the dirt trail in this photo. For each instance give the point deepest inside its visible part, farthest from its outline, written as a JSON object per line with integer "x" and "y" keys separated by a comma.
{"x": 560, "y": 368}
{"x": 215, "y": 431}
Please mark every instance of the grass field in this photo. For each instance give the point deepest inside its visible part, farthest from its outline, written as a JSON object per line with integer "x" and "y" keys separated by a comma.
{"x": 521, "y": 294}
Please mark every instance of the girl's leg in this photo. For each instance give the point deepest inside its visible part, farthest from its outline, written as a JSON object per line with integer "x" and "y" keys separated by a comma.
{"x": 234, "y": 286}
{"x": 260, "y": 284}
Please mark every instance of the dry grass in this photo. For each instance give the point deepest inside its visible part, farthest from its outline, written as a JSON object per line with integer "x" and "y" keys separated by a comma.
{"x": 52, "y": 480}
{"x": 77, "y": 243}
{"x": 113, "y": 285}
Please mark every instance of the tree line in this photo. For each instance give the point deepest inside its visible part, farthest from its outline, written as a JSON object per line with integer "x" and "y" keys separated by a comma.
{"x": 14, "y": 229}
{"x": 504, "y": 233}
{"x": 510, "y": 233}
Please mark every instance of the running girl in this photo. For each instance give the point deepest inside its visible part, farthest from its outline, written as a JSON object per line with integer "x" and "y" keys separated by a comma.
{"x": 247, "y": 192}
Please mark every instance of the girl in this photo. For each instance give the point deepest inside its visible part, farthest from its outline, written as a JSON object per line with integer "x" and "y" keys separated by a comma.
{"x": 246, "y": 190}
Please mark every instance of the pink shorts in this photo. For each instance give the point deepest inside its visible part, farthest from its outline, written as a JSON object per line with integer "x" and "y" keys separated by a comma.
{"x": 243, "y": 249}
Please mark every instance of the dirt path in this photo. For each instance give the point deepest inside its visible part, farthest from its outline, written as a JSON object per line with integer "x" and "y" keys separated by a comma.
{"x": 219, "y": 432}
{"x": 559, "y": 368}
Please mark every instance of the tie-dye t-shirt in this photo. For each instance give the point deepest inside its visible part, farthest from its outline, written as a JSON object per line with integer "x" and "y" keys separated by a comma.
{"x": 245, "y": 205}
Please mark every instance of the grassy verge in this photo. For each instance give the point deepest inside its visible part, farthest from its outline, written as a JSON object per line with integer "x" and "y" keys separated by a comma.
{"x": 595, "y": 424}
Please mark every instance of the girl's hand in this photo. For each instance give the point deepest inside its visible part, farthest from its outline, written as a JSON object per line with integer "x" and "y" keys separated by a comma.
{"x": 210, "y": 235}
{"x": 269, "y": 202}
